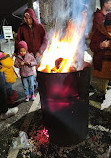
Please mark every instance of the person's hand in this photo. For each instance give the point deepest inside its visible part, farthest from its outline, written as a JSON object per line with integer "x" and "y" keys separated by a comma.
{"x": 104, "y": 44}
{"x": 22, "y": 63}
{"x": 27, "y": 63}
{"x": 13, "y": 55}
{"x": 37, "y": 55}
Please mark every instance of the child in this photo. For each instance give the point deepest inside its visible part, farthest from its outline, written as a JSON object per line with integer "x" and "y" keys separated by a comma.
{"x": 25, "y": 62}
{"x": 6, "y": 66}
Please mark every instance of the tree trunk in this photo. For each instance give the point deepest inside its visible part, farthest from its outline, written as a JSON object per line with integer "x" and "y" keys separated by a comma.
{"x": 30, "y": 4}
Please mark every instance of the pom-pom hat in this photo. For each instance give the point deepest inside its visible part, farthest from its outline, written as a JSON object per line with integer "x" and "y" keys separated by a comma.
{"x": 22, "y": 44}
{"x": 1, "y": 55}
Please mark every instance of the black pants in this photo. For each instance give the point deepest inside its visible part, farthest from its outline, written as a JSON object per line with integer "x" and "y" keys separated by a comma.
{"x": 3, "y": 94}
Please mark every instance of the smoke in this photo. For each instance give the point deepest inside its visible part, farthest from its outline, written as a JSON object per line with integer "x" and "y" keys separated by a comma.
{"x": 78, "y": 8}
{"x": 73, "y": 10}
{"x": 64, "y": 10}
{"x": 90, "y": 10}
{"x": 61, "y": 12}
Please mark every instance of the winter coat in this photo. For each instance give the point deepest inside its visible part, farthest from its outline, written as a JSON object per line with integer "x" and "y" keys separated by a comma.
{"x": 35, "y": 37}
{"x": 3, "y": 94}
{"x": 7, "y": 63}
{"x": 101, "y": 57}
{"x": 98, "y": 19}
{"x": 25, "y": 70}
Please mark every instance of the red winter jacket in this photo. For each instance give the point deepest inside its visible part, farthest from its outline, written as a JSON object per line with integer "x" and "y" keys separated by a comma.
{"x": 98, "y": 19}
{"x": 35, "y": 37}
{"x": 100, "y": 54}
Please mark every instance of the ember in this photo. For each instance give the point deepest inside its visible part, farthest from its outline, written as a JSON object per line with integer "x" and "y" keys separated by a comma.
{"x": 40, "y": 138}
{"x": 59, "y": 63}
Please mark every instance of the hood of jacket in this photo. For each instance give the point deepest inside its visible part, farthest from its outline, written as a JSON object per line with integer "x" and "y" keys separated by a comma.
{"x": 6, "y": 61}
{"x": 97, "y": 11}
{"x": 32, "y": 14}
{"x": 5, "y": 56}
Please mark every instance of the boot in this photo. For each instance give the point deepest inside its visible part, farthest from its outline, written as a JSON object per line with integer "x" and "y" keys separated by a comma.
{"x": 97, "y": 97}
{"x": 100, "y": 98}
{"x": 9, "y": 113}
{"x": 11, "y": 99}
{"x": 15, "y": 95}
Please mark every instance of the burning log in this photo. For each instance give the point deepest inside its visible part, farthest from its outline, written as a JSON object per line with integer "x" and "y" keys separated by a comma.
{"x": 59, "y": 64}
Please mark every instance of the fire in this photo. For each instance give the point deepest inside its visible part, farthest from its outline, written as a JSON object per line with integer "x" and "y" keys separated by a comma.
{"x": 62, "y": 53}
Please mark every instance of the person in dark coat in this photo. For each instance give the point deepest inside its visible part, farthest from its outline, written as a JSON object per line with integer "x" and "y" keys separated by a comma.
{"x": 5, "y": 112}
{"x": 99, "y": 14}
{"x": 101, "y": 46}
{"x": 98, "y": 19}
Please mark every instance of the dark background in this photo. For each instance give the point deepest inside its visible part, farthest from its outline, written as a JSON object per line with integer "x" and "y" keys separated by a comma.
{"x": 7, "y": 7}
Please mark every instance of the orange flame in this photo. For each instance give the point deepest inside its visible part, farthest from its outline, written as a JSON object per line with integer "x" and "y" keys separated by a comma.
{"x": 63, "y": 51}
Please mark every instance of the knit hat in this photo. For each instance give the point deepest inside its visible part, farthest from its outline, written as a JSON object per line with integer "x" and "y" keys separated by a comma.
{"x": 22, "y": 44}
{"x": 107, "y": 19}
{"x": 1, "y": 55}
